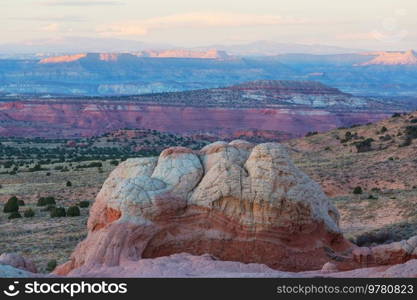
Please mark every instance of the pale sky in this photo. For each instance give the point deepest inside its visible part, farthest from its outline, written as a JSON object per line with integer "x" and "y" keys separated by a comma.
{"x": 366, "y": 24}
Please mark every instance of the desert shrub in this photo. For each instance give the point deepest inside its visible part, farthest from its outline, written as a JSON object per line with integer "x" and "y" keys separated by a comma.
{"x": 372, "y": 197}
{"x": 73, "y": 211}
{"x": 380, "y": 237}
{"x": 29, "y": 213}
{"x": 43, "y": 201}
{"x": 386, "y": 137}
{"x": 95, "y": 165}
{"x": 84, "y": 203}
{"x": 20, "y": 202}
{"x": 348, "y": 135}
{"x": 357, "y": 190}
{"x": 51, "y": 265}
{"x": 69, "y": 183}
{"x": 12, "y": 205}
{"x": 90, "y": 165}
{"x": 58, "y": 212}
{"x": 364, "y": 146}
{"x": 396, "y": 115}
{"x": 14, "y": 215}
{"x": 36, "y": 168}
{"x": 384, "y": 129}
{"x": 411, "y": 131}
{"x": 114, "y": 162}
{"x": 413, "y": 120}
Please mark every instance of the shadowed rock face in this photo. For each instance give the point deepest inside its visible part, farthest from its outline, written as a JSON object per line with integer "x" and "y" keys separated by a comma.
{"x": 236, "y": 201}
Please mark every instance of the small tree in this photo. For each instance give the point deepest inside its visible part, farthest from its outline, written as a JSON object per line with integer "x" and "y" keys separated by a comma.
{"x": 73, "y": 211}
{"x": 357, "y": 190}
{"x": 51, "y": 265}
{"x": 69, "y": 183}
{"x": 12, "y": 205}
{"x": 364, "y": 146}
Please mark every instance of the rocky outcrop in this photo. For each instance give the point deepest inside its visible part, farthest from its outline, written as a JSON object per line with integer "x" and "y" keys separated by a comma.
{"x": 387, "y": 254}
{"x": 186, "y": 265}
{"x": 181, "y": 265}
{"x": 17, "y": 261}
{"x": 7, "y": 271}
{"x": 236, "y": 201}
{"x": 229, "y": 210}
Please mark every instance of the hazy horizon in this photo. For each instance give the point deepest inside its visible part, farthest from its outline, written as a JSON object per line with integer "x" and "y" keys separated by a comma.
{"x": 386, "y": 25}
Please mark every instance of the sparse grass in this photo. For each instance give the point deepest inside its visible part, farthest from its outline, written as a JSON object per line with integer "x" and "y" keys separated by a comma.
{"x": 42, "y": 238}
{"x": 387, "y": 173}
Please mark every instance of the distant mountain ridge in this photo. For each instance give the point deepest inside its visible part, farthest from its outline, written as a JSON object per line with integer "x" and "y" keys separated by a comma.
{"x": 174, "y": 53}
{"x": 392, "y": 58}
{"x": 183, "y": 53}
{"x": 271, "y": 48}
{"x": 73, "y": 44}
{"x": 157, "y": 71}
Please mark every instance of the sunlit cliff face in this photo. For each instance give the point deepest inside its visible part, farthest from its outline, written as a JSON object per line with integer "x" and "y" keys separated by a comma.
{"x": 63, "y": 59}
{"x": 392, "y": 58}
{"x": 174, "y": 53}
